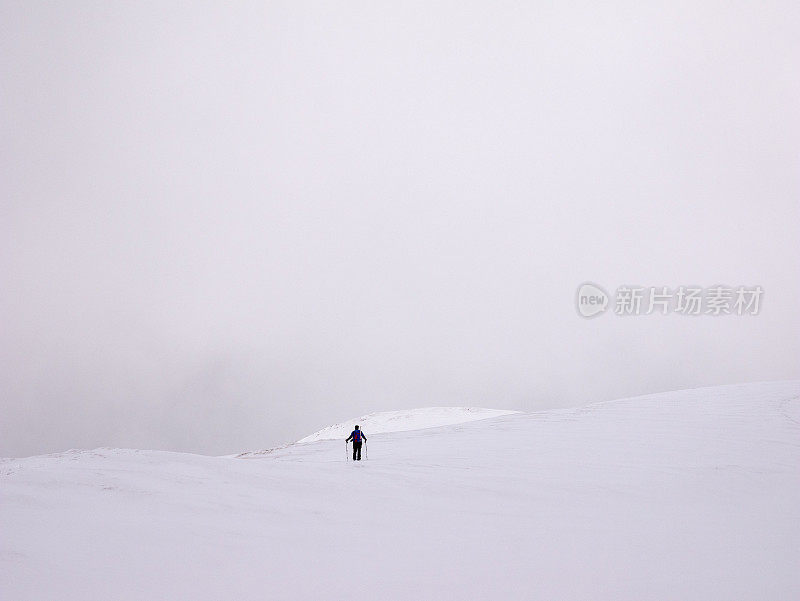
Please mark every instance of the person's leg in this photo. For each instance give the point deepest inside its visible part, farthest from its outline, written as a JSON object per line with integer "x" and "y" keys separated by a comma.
{"x": 355, "y": 449}
{"x": 359, "y": 452}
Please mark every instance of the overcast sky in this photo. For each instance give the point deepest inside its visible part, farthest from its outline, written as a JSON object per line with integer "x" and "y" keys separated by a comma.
{"x": 224, "y": 226}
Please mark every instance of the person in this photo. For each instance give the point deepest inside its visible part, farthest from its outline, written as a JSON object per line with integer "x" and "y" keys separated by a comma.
{"x": 357, "y": 436}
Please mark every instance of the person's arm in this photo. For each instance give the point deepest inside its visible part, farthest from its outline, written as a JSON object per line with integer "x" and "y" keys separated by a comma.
{"x": 363, "y": 436}
{"x": 349, "y": 438}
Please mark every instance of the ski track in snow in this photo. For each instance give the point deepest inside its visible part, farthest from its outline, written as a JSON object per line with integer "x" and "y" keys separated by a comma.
{"x": 688, "y": 495}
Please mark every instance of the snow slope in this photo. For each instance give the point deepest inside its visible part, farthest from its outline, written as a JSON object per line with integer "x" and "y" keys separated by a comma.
{"x": 690, "y": 495}
{"x": 402, "y": 421}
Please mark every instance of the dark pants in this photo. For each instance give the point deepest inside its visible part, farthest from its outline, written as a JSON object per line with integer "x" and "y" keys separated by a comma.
{"x": 356, "y": 451}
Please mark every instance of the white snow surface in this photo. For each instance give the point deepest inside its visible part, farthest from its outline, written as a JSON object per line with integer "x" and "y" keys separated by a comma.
{"x": 690, "y": 495}
{"x": 403, "y": 421}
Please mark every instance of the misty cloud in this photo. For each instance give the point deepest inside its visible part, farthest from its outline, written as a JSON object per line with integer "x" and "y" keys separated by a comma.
{"x": 227, "y": 226}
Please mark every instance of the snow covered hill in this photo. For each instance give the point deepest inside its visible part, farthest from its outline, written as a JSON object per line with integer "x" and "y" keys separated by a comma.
{"x": 402, "y": 421}
{"x": 690, "y": 495}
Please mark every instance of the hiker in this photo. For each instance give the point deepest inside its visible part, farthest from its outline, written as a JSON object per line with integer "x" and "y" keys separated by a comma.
{"x": 357, "y": 436}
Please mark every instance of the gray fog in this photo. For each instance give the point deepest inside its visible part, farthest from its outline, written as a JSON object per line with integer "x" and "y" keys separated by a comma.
{"x": 224, "y": 226}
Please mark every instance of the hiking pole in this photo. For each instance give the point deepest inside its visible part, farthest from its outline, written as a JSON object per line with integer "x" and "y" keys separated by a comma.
{"x": 366, "y": 449}
{"x": 346, "y": 451}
